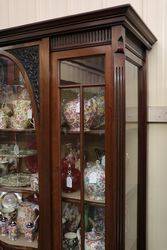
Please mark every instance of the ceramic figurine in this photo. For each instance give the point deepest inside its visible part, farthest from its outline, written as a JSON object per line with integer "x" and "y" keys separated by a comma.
{"x": 94, "y": 181}
{"x": 26, "y": 213}
{"x": 29, "y": 232}
{"x": 4, "y": 226}
{"x": 13, "y": 231}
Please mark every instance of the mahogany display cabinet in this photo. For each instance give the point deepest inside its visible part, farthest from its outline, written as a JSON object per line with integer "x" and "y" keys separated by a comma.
{"x": 73, "y": 132}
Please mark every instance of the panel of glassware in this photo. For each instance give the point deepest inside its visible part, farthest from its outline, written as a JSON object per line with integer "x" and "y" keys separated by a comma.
{"x": 131, "y": 156}
{"x": 80, "y": 72}
{"x": 19, "y": 189}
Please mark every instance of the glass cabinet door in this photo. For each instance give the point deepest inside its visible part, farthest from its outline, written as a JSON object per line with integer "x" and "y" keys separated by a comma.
{"x": 19, "y": 190}
{"x": 131, "y": 180}
{"x": 82, "y": 92}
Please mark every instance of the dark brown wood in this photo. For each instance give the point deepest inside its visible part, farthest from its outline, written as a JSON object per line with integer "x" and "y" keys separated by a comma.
{"x": 55, "y": 154}
{"x": 98, "y": 36}
{"x": 45, "y": 241}
{"x": 110, "y": 152}
{"x": 119, "y": 140}
{"x": 123, "y": 14}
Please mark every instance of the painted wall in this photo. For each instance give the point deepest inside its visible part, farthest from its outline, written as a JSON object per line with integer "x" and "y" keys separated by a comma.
{"x": 18, "y": 12}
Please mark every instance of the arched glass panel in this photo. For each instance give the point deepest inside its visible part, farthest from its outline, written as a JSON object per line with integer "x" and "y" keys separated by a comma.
{"x": 19, "y": 189}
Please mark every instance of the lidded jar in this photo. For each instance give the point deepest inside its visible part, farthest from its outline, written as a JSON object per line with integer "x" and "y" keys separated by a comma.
{"x": 29, "y": 232}
{"x": 94, "y": 181}
{"x": 71, "y": 112}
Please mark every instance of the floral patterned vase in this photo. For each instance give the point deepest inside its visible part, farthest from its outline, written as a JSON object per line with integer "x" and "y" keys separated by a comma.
{"x": 71, "y": 111}
{"x": 94, "y": 181}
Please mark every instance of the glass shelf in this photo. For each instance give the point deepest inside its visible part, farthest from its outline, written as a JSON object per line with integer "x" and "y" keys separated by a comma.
{"x": 12, "y": 130}
{"x": 93, "y": 132}
{"x": 24, "y": 190}
{"x": 21, "y": 242}
{"x": 75, "y": 197}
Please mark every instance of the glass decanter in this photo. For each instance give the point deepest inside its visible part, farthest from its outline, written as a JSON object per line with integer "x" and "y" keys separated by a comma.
{"x": 70, "y": 170}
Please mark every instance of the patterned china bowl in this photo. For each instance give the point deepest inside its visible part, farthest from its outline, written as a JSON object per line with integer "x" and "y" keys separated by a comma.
{"x": 71, "y": 111}
{"x": 94, "y": 181}
{"x": 9, "y": 201}
{"x": 19, "y": 122}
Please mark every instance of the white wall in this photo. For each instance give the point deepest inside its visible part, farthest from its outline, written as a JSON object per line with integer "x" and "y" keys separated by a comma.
{"x": 18, "y": 12}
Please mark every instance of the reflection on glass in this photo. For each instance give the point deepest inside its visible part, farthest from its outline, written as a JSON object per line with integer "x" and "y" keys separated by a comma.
{"x": 83, "y": 149}
{"x": 71, "y": 218}
{"x": 19, "y": 182}
{"x": 131, "y": 155}
{"x": 70, "y": 109}
{"x": 93, "y": 108}
{"x": 94, "y": 173}
{"x": 86, "y": 70}
{"x": 70, "y": 143}
{"x": 94, "y": 227}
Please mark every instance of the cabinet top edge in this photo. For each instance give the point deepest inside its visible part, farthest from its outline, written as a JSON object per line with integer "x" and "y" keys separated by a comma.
{"x": 118, "y": 15}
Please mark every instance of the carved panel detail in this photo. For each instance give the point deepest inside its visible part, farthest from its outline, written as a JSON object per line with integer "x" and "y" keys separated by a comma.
{"x": 81, "y": 39}
{"x": 29, "y": 57}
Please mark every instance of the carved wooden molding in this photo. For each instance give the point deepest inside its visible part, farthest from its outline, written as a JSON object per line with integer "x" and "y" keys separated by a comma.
{"x": 82, "y": 38}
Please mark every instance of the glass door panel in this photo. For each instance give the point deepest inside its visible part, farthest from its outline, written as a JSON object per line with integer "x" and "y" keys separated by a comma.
{"x": 70, "y": 143}
{"x": 19, "y": 187}
{"x": 94, "y": 172}
{"x": 131, "y": 156}
{"x": 94, "y": 227}
{"x": 82, "y": 91}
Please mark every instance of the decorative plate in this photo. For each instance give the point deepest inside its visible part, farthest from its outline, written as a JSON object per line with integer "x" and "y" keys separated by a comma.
{"x": 16, "y": 180}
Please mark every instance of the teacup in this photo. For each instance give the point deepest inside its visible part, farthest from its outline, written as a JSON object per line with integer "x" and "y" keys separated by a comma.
{"x": 70, "y": 241}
